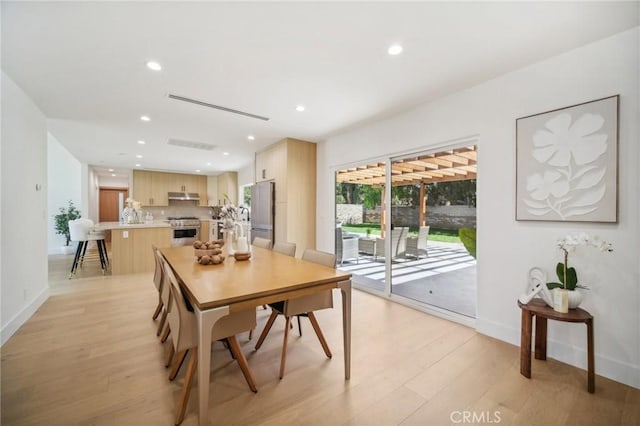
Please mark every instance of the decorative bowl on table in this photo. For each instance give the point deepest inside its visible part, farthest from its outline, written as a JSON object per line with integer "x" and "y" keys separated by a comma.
{"x": 242, "y": 256}
{"x": 208, "y": 252}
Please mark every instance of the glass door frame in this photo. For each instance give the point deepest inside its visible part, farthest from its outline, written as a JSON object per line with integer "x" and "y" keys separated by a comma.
{"x": 388, "y": 160}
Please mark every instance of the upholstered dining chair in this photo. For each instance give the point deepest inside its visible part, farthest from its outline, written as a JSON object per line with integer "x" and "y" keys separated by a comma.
{"x": 157, "y": 281}
{"x": 262, "y": 242}
{"x": 302, "y": 305}
{"x": 184, "y": 339}
{"x": 288, "y": 249}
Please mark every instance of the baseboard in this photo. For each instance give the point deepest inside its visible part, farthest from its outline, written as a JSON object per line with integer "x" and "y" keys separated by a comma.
{"x": 21, "y": 317}
{"x": 619, "y": 371}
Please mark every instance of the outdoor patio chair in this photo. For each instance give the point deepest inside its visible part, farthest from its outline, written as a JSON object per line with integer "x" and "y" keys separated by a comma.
{"x": 398, "y": 243}
{"x": 417, "y": 246}
{"x": 346, "y": 247}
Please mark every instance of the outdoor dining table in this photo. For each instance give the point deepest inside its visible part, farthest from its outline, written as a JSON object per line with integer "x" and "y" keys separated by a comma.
{"x": 217, "y": 290}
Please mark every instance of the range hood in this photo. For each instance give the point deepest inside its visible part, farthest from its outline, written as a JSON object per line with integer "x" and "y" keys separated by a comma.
{"x": 184, "y": 196}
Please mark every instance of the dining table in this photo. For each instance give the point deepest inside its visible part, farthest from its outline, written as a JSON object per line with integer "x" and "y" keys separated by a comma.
{"x": 215, "y": 291}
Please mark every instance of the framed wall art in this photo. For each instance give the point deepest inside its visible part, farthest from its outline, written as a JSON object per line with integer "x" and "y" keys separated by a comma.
{"x": 567, "y": 163}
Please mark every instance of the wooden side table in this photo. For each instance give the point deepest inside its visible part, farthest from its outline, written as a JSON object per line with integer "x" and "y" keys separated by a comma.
{"x": 542, "y": 312}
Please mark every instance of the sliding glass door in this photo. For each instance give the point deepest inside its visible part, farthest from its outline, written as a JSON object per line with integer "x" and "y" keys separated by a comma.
{"x": 397, "y": 227}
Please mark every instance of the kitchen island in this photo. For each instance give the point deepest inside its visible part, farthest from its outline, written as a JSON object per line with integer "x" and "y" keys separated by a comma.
{"x": 131, "y": 245}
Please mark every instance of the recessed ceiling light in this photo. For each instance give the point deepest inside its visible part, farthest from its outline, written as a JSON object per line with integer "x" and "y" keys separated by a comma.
{"x": 395, "y": 49}
{"x": 208, "y": 164}
{"x": 137, "y": 164}
{"x": 110, "y": 170}
{"x": 225, "y": 153}
{"x": 197, "y": 170}
{"x": 113, "y": 174}
{"x": 152, "y": 65}
{"x": 138, "y": 156}
{"x": 145, "y": 118}
{"x": 300, "y": 108}
{"x": 141, "y": 142}
{"x": 251, "y": 137}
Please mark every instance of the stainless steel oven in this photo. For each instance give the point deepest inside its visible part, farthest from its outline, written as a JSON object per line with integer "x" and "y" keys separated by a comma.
{"x": 186, "y": 230}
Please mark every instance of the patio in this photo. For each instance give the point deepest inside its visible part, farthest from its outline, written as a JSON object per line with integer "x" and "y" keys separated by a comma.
{"x": 446, "y": 278}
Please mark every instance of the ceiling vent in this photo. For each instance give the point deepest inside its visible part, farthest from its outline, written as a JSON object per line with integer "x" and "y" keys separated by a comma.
{"x": 208, "y": 105}
{"x": 191, "y": 144}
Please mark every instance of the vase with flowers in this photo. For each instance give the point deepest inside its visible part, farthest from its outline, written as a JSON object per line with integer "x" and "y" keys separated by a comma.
{"x": 568, "y": 277}
{"x": 229, "y": 217}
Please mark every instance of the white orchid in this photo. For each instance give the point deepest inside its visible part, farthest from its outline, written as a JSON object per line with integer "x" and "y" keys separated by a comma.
{"x": 568, "y": 277}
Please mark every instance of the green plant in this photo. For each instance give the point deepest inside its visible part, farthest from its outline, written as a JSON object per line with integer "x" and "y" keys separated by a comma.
{"x": 468, "y": 238}
{"x": 62, "y": 220}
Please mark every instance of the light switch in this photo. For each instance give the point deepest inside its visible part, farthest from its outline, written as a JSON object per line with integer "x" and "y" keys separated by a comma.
{"x": 125, "y": 234}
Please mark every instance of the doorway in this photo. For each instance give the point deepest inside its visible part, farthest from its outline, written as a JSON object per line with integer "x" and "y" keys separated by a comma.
{"x": 397, "y": 228}
{"x": 108, "y": 205}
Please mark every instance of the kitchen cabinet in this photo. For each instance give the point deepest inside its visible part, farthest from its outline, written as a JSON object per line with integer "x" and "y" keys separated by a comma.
{"x": 204, "y": 230}
{"x": 131, "y": 247}
{"x": 151, "y": 188}
{"x": 291, "y": 164}
{"x": 228, "y": 184}
{"x": 180, "y": 182}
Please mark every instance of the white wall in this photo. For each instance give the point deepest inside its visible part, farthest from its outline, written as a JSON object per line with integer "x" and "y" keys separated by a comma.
{"x": 23, "y": 282}
{"x": 113, "y": 182}
{"x": 63, "y": 177}
{"x": 506, "y": 248}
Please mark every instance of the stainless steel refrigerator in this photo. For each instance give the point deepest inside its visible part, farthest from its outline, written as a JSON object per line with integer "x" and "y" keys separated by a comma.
{"x": 263, "y": 210}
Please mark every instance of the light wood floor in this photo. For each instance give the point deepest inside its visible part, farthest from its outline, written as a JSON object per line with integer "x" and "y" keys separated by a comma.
{"x": 90, "y": 356}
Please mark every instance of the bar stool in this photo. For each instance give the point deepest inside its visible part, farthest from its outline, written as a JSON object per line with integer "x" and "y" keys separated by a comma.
{"x": 81, "y": 232}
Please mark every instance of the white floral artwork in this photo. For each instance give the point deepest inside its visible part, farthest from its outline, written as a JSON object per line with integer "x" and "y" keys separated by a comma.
{"x": 567, "y": 163}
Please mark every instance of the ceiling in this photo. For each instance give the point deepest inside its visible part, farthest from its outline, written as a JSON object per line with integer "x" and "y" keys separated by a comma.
{"x": 83, "y": 64}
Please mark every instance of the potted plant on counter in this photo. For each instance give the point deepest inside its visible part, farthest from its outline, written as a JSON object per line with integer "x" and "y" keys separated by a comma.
{"x": 62, "y": 224}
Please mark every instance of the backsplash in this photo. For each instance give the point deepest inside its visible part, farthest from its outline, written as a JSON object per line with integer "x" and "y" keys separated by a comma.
{"x": 160, "y": 213}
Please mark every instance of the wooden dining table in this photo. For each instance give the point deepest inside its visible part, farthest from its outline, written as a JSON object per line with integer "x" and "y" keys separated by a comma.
{"x": 217, "y": 290}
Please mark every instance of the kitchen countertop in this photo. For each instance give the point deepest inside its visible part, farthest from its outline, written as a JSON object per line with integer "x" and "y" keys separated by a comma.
{"x": 117, "y": 225}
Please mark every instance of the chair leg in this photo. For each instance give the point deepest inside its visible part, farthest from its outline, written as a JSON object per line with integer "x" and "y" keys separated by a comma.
{"x": 250, "y": 334}
{"x": 186, "y": 388}
{"x": 267, "y": 327}
{"x": 242, "y": 362}
{"x": 177, "y": 363}
{"x": 283, "y": 357}
{"x": 163, "y": 318}
{"x": 158, "y": 308}
{"x": 170, "y": 352}
{"x": 76, "y": 259}
{"x": 316, "y": 327}
{"x": 165, "y": 334}
{"x": 103, "y": 265}
{"x": 299, "y": 326}
{"x": 104, "y": 250}
{"x": 84, "y": 251}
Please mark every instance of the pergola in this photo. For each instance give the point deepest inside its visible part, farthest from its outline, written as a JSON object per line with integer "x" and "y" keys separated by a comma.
{"x": 444, "y": 166}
